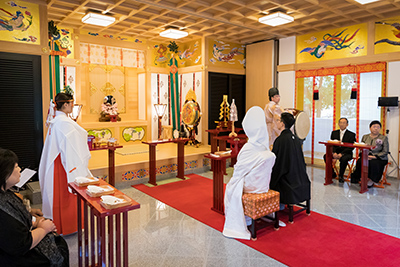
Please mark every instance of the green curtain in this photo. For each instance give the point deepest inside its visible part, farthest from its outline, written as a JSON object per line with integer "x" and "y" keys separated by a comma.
{"x": 175, "y": 105}
{"x": 54, "y": 68}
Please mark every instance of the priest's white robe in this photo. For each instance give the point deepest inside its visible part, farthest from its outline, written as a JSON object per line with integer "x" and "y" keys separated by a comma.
{"x": 69, "y": 140}
{"x": 252, "y": 173}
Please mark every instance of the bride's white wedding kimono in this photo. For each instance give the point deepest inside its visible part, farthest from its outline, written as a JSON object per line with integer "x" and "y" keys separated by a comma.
{"x": 252, "y": 173}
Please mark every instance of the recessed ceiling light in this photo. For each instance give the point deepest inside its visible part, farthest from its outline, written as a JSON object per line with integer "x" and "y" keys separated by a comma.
{"x": 363, "y": 2}
{"x": 98, "y": 19}
{"x": 275, "y": 19}
{"x": 173, "y": 33}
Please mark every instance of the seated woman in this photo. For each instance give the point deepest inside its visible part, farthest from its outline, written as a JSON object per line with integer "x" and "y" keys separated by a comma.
{"x": 25, "y": 241}
{"x": 377, "y": 157}
{"x": 252, "y": 173}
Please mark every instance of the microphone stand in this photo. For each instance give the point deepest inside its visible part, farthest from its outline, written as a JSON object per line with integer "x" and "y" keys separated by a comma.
{"x": 394, "y": 161}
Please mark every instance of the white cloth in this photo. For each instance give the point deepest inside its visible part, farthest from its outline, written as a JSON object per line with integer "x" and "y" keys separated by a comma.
{"x": 67, "y": 138}
{"x": 252, "y": 173}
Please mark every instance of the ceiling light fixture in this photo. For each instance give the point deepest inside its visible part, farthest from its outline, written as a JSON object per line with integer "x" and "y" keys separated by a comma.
{"x": 363, "y": 2}
{"x": 98, "y": 19}
{"x": 275, "y": 19}
{"x": 173, "y": 33}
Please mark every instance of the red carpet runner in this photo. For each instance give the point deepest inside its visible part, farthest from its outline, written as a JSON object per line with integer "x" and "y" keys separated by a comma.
{"x": 315, "y": 240}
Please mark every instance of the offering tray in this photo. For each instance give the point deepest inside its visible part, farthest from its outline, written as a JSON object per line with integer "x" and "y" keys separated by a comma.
{"x": 109, "y": 190}
{"x": 87, "y": 181}
{"x": 125, "y": 202}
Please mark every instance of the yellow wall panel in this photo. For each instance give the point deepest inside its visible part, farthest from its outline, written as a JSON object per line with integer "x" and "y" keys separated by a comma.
{"x": 387, "y": 35}
{"x": 338, "y": 43}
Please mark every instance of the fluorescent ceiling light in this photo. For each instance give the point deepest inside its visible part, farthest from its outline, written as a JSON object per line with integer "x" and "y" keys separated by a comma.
{"x": 98, "y": 19}
{"x": 363, "y": 2}
{"x": 173, "y": 33}
{"x": 275, "y": 19}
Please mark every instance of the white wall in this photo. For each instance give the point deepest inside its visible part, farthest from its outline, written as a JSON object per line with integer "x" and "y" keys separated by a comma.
{"x": 286, "y": 84}
{"x": 287, "y": 79}
{"x": 392, "y": 118}
{"x": 287, "y": 50}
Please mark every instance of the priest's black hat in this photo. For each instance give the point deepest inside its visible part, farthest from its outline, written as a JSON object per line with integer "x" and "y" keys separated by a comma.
{"x": 272, "y": 92}
{"x": 288, "y": 119}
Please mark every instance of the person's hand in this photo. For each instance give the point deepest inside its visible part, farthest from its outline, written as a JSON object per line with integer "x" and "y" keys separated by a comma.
{"x": 36, "y": 212}
{"x": 371, "y": 157}
{"x": 335, "y": 156}
{"x": 46, "y": 225}
{"x": 339, "y": 155}
{"x": 36, "y": 222}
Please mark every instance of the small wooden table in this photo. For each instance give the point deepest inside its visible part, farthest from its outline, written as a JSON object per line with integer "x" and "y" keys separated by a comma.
{"x": 364, "y": 162}
{"x": 217, "y": 164}
{"x": 180, "y": 157}
{"x": 111, "y": 161}
{"x": 97, "y": 221}
{"x": 237, "y": 142}
{"x": 236, "y": 146}
{"x": 215, "y": 132}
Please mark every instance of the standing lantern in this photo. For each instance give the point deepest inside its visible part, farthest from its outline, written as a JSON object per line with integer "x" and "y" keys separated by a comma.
{"x": 160, "y": 110}
{"x": 233, "y": 118}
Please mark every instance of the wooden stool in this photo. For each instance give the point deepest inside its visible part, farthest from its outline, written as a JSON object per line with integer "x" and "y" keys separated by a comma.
{"x": 305, "y": 207}
{"x": 259, "y": 205}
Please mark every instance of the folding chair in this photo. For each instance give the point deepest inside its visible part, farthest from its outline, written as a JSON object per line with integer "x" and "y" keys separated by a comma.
{"x": 383, "y": 180}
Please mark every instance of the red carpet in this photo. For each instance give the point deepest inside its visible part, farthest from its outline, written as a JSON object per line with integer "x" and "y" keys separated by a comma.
{"x": 315, "y": 240}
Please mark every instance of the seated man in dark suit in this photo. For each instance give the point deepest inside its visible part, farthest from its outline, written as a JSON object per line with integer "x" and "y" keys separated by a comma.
{"x": 343, "y": 154}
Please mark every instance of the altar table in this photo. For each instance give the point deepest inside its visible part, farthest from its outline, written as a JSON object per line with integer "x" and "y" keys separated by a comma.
{"x": 111, "y": 161}
{"x": 215, "y": 132}
{"x": 97, "y": 221}
{"x": 236, "y": 143}
{"x": 364, "y": 162}
{"x": 152, "y": 157}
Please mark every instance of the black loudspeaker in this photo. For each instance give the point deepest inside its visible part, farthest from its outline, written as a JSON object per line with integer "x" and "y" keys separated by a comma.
{"x": 392, "y": 101}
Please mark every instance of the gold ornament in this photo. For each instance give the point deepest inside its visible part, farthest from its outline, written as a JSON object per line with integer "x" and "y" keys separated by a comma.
{"x": 224, "y": 110}
{"x": 45, "y": 50}
{"x": 191, "y": 95}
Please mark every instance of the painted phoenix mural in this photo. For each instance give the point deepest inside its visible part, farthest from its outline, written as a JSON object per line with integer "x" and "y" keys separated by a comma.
{"x": 338, "y": 43}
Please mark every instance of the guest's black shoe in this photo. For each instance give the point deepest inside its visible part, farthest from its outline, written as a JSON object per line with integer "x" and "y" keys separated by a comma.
{"x": 341, "y": 180}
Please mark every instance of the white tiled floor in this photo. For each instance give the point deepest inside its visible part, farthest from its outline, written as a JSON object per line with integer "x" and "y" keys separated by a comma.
{"x": 162, "y": 236}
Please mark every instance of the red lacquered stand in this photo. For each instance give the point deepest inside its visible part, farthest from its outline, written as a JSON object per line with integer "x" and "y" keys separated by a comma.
{"x": 236, "y": 146}
{"x": 96, "y": 237}
{"x": 214, "y": 133}
{"x": 237, "y": 142}
{"x": 111, "y": 161}
{"x": 217, "y": 164}
{"x": 364, "y": 162}
{"x": 180, "y": 158}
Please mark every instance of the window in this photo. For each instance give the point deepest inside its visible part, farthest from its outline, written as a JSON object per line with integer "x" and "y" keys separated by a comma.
{"x": 335, "y": 86}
